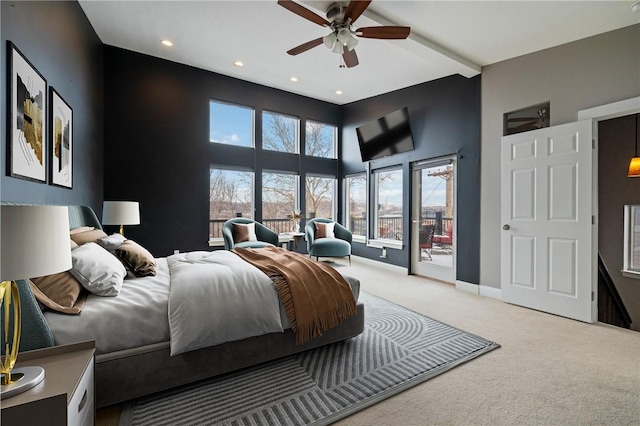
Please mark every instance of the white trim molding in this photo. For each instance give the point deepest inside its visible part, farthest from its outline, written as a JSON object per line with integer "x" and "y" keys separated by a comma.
{"x": 467, "y": 287}
{"x": 612, "y": 110}
{"x": 480, "y": 290}
{"x": 388, "y": 266}
{"x": 492, "y": 292}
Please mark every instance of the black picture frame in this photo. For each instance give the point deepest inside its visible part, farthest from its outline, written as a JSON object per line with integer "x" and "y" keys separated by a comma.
{"x": 26, "y": 118}
{"x": 60, "y": 141}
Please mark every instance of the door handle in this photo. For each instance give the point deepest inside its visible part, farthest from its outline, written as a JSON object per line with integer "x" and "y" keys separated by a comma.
{"x": 506, "y": 227}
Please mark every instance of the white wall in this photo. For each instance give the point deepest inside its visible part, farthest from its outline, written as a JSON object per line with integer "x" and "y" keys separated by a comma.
{"x": 595, "y": 71}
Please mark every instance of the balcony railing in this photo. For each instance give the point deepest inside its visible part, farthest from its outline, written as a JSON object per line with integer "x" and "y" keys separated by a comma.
{"x": 388, "y": 227}
{"x": 392, "y": 227}
{"x": 279, "y": 226}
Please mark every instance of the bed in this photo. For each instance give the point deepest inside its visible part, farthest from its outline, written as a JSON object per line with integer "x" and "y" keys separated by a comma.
{"x": 134, "y": 352}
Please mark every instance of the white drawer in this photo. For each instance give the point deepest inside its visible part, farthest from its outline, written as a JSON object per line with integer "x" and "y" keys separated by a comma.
{"x": 81, "y": 409}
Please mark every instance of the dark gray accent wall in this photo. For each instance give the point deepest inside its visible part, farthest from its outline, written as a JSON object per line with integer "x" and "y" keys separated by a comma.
{"x": 57, "y": 38}
{"x": 445, "y": 119}
{"x": 157, "y": 148}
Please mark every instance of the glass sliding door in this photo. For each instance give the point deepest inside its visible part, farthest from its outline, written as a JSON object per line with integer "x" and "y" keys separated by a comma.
{"x": 433, "y": 219}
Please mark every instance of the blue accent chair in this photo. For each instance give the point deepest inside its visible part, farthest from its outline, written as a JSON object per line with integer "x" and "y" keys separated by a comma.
{"x": 266, "y": 237}
{"x": 340, "y": 246}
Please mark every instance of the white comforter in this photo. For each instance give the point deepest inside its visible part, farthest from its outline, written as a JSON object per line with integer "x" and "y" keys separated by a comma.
{"x": 216, "y": 297}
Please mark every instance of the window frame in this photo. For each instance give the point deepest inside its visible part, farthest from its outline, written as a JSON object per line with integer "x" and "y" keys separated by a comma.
{"x": 236, "y": 105}
{"x": 334, "y": 141}
{"x": 296, "y": 131}
{"x": 219, "y": 241}
{"x": 296, "y": 185}
{"x": 376, "y": 241}
{"x": 334, "y": 189}
{"x": 361, "y": 238}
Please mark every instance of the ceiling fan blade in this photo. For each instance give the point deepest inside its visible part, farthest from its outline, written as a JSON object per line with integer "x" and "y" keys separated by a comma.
{"x": 303, "y": 12}
{"x": 305, "y": 46}
{"x": 528, "y": 125}
{"x": 355, "y": 9}
{"x": 384, "y": 32}
{"x": 350, "y": 57}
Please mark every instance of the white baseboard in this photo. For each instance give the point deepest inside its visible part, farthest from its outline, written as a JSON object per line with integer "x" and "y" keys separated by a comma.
{"x": 467, "y": 287}
{"x": 481, "y": 290}
{"x": 493, "y": 292}
{"x": 388, "y": 266}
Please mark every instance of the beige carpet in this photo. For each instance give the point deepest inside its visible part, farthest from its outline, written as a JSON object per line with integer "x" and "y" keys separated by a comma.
{"x": 549, "y": 370}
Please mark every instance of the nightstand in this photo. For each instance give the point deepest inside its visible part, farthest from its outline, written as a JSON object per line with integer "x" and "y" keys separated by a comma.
{"x": 66, "y": 396}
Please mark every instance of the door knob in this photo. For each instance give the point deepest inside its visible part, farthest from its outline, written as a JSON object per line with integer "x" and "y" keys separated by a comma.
{"x": 506, "y": 227}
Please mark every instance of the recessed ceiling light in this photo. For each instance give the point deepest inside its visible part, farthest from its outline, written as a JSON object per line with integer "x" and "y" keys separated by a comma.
{"x": 294, "y": 79}
{"x": 238, "y": 64}
{"x": 167, "y": 42}
{"x": 338, "y": 92}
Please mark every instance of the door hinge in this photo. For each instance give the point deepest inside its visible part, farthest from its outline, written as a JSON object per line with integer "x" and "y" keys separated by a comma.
{"x": 593, "y": 144}
{"x": 593, "y": 295}
{"x": 593, "y": 219}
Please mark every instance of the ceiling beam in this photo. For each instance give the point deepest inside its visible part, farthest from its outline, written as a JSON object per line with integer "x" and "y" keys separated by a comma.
{"x": 468, "y": 67}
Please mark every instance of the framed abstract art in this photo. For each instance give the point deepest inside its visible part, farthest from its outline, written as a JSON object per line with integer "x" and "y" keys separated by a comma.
{"x": 27, "y": 153}
{"x": 61, "y": 131}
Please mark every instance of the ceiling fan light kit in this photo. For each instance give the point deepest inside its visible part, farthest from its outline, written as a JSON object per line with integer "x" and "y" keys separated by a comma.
{"x": 342, "y": 39}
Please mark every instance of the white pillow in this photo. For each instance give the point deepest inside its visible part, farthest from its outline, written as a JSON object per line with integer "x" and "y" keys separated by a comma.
{"x": 244, "y": 232}
{"x": 98, "y": 271}
{"x": 329, "y": 230}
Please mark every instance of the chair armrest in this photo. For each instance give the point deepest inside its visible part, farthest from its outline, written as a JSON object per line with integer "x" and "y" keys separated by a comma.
{"x": 342, "y": 233}
{"x": 228, "y": 238}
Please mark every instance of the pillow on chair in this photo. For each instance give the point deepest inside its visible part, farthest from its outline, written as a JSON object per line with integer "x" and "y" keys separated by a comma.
{"x": 244, "y": 232}
{"x": 324, "y": 230}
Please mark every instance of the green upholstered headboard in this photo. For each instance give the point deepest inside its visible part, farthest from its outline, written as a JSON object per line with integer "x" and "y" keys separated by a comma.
{"x": 35, "y": 330}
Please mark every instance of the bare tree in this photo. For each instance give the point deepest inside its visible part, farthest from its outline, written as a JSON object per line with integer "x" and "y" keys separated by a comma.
{"x": 279, "y": 133}
{"x": 319, "y": 195}
{"x": 278, "y": 195}
{"x": 319, "y": 139}
{"x": 225, "y": 195}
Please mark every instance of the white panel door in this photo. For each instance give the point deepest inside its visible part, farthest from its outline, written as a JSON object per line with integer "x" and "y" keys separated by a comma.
{"x": 547, "y": 233}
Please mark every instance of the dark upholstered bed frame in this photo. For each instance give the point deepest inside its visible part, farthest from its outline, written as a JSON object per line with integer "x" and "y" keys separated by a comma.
{"x": 131, "y": 373}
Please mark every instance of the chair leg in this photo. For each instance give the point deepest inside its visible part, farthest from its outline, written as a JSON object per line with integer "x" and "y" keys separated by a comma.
{"x": 428, "y": 253}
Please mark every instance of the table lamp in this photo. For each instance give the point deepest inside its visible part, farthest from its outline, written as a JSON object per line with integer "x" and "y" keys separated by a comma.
{"x": 34, "y": 241}
{"x": 121, "y": 213}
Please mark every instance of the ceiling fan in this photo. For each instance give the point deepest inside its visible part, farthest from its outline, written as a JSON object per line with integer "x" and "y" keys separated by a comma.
{"x": 342, "y": 38}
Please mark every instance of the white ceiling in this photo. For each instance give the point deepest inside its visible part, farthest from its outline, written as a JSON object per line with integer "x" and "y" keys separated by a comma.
{"x": 447, "y": 37}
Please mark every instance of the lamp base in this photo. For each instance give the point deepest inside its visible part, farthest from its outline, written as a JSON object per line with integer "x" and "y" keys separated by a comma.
{"x": 23, "y": 379}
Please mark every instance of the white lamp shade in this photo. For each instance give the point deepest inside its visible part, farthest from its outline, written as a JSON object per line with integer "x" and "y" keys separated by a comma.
{"x": 329, "y": 40}
{"x": 34, "y": 241}
{"x": 121, "y": 213}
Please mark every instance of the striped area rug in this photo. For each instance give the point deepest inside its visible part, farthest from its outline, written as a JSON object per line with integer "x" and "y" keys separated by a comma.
{"x": 398, "y": 349}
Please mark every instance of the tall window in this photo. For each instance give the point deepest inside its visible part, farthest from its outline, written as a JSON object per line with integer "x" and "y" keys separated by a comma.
{"x": 230, "y": 195}
{"x": 280, "y": 133}
{"x": 279, "y": 200}
{"x": 320, "y": 140}
{"x": 356, "y": 188}
{"x": 231, "y": 124}
{"x": 631, "y": 263}
{"x": 388, "y": 214}
{"x": 320, "y": 196}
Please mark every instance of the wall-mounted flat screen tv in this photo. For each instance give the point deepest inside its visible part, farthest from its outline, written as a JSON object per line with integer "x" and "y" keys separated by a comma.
{"x": 386, "y": 136}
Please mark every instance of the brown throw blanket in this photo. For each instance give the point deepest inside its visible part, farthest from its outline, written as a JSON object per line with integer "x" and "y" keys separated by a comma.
{"x": 315, "y": 296}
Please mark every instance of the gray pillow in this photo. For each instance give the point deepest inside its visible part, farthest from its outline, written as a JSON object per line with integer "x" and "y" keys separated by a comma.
{"x": 98, "y": 271}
